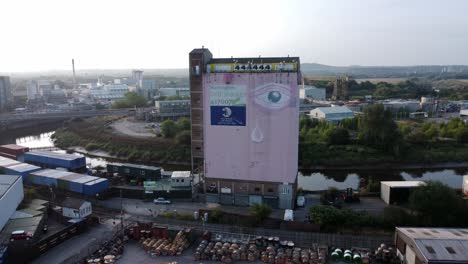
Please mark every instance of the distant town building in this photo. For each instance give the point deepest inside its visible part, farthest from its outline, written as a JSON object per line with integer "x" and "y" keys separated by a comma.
{"x": 173, "y": 106}
{"x": 432, "y": 245}
{"x": 32, "y": 90}
{"x": 76, "y": 208}
{"x": 340, "y": 88}
{"x": 244, "y": 115}
{"x": 109, "y": 92}
{"x": 331, "y": 114}
{"x": 312, "y": 92}
{"x": 400, "y": 105}
{"x": 5, "y": 92}
{"x": 182, "y": 92}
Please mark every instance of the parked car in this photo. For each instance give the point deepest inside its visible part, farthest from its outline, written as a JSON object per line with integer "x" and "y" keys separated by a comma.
{"x": 161, "y": 200}
{"x": 20, "y": 235}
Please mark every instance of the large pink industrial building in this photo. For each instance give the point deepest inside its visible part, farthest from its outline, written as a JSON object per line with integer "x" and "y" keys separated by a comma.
{"x": 245, "y": 128}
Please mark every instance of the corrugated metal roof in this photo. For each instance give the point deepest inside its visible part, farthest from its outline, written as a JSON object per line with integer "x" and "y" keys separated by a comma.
{"x": 98, "y": 180}
{"x": 85, "y": 179}
{"x": 440, "y": 244}
{"x": 52, "y": 173}
{"x": 403, "y": 183}
{"x": 7, "y": 162}
{"x": 55, "y": 155}
{"x": 22, "y": 167}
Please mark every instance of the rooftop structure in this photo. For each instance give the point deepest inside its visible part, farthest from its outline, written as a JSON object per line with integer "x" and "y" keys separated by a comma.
{"x": 432, "y": 245}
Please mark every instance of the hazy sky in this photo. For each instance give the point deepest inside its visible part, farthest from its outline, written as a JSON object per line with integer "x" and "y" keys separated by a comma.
{"x": 46, "y": 34}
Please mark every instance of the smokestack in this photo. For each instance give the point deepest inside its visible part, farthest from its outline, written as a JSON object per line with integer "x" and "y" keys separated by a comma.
{"x": 74, "y": 76}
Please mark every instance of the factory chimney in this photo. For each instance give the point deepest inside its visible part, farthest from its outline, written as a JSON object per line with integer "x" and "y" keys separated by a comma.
{"x": 74, "y": 76}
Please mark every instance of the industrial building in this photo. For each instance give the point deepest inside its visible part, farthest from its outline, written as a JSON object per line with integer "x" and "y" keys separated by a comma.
{"x": 331, "y": 114}
{"x": 5, "y": 92}
{"x": 244, "y": 118}
{"x": 402, "y": 105}
{"x": 109, "y": 92}
{"x": 432, "y": 245}
{"x": 53, "y": 160}
{"x": 174, "y": 91}
{"x": 135, "y": 171}
{"x": 76, "y": 208}
{"x": 312, "y": 92}
{"x": 397, "y": 192}
{"x": 11, "y": 195}
{"x": 173, "y": 106}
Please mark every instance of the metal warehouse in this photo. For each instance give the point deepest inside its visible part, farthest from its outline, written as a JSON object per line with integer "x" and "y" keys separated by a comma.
{"x": 398, "y": 192}
{"x": 432, "y": 245}
{"x": 52, "y": 160}
{"x": 11, "y": 195}
{"x": 135, "y": 170}
{"x": 70, "y": 181}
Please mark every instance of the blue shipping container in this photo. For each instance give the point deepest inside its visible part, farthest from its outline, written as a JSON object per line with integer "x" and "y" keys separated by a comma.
{"x": 97, "y": 186}
{"x": 55, "y": 160}
{"x": 22, "y": 169}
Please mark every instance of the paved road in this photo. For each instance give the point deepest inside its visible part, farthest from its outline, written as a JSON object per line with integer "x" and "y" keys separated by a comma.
{"x": 139, "y": 207}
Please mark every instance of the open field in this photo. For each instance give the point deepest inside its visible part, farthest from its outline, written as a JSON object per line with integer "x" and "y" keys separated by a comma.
{"x": 377, "y": 80}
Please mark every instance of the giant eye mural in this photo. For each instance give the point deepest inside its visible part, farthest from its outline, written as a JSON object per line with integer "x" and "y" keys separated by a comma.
{"x": 272, "y": 96}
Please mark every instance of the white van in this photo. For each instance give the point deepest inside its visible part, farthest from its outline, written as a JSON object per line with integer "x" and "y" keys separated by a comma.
{"x": 288, "y": 215}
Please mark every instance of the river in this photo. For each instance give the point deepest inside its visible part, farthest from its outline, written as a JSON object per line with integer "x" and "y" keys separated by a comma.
{"x": 307, "y": 180}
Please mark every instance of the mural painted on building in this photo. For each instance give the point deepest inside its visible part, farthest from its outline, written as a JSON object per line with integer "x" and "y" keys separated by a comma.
{"x": 251, "y": 126}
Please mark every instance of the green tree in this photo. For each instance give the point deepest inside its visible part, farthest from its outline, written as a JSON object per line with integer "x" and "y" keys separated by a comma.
{"x": 462, "y": 135}
{"x": 132, "y": 99}
{"x": 377, "y": 129}
{"x": 184, "y": 137}
{"x": 260, "y": 212}
{"x": 338, "y": 136}
{"x": 183, "y": 124}
{"x": 436, "y": 204}
{"x": 168, "y": 129}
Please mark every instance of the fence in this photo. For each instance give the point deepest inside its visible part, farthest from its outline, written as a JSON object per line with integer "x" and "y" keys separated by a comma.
{"x": 302, "y": 239}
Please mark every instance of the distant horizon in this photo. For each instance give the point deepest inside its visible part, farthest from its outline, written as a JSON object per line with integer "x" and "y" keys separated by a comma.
{"x": 186, "y": 68}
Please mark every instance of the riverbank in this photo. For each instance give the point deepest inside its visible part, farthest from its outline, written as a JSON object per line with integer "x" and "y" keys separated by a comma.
{"x": 390, "y": 166}
{"x": 105, "y": 155}
{"x": 95, "y": 136}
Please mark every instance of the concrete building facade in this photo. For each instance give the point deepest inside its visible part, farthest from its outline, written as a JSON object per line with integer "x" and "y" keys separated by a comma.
{"x": 244, "y": 115}
{"x": 5, "y": 92}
